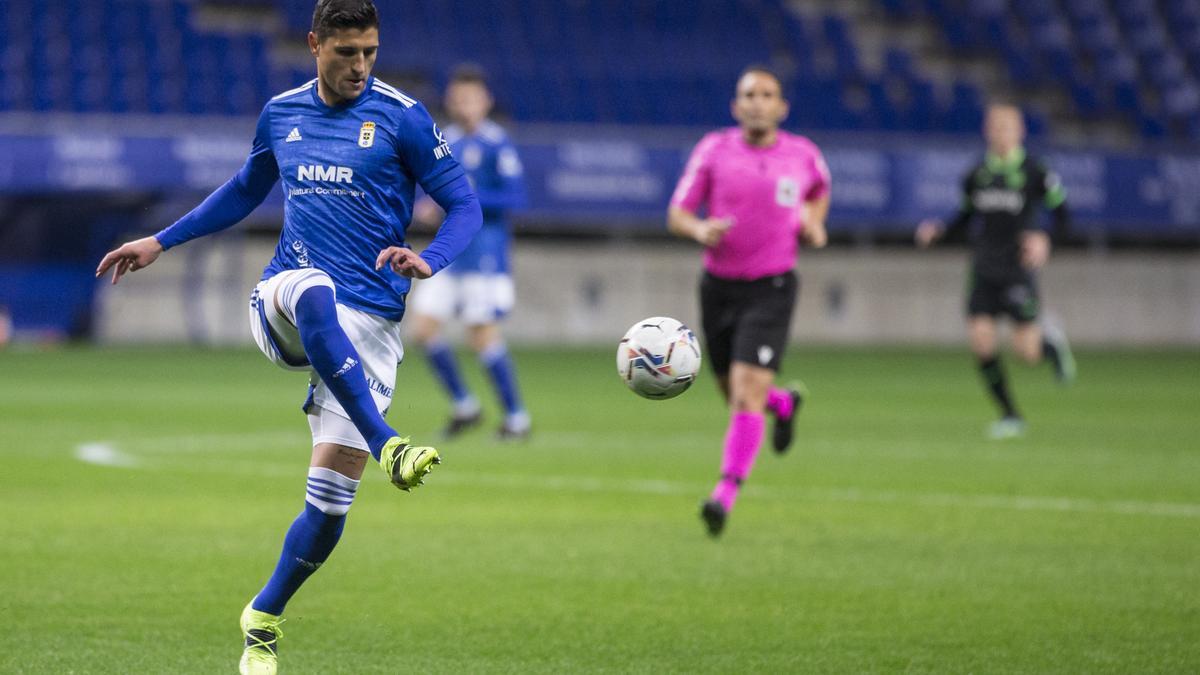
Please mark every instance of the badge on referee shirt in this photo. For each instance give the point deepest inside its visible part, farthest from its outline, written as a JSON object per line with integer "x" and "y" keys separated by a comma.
{"x": 787, "y": 192}
{"x": 366, "y": 135}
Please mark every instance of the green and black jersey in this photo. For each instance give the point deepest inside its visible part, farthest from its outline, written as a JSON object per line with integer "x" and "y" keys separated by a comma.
{"x": 1005, "y": 193}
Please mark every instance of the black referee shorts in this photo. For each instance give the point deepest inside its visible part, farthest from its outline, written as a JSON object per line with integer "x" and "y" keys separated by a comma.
{"x": 747, "y": 321}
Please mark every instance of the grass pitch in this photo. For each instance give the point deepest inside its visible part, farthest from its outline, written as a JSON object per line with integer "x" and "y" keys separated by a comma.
{"x": 892, "y": 539}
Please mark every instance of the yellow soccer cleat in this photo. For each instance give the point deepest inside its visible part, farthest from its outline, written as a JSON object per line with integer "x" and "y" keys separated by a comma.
{"x": 405, "y": 464}
{"x": 262, "y": 633}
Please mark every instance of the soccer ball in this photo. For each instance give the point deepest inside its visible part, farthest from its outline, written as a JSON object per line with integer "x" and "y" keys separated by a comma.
{"x": 658, "y": 358}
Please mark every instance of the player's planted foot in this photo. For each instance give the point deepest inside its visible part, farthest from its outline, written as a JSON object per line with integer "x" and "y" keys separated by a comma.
{"x": 1006, "y": 427}
{"x": 713, "y": 515}
{"x": 781, "y": 437}
{"x": 261, "y": 632}
{"x": 516, "y": 427}
{"x": 462, "y": 422}
{"x": 407, "y": 465}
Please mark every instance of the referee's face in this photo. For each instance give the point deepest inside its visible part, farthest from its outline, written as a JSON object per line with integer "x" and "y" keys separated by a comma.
{"x": 759, "y": 106}
{"x": 344, "y": 62}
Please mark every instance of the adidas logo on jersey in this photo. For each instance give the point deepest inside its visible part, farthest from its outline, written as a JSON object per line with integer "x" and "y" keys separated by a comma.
{"x": 294, "y": 136}
{"x": 350, "y": 363}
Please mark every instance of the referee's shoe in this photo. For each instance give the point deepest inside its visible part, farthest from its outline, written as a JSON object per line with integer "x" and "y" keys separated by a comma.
{"x": 781, "y": 437}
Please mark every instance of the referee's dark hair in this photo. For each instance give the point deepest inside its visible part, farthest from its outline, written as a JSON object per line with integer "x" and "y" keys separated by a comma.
{"x": 331, "y": 15}
{"x": 760, "y": 68}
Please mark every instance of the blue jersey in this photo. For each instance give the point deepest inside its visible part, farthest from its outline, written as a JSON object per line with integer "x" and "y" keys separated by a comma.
{"x": 495, "y": 171}
{"x": 348, "y": 175}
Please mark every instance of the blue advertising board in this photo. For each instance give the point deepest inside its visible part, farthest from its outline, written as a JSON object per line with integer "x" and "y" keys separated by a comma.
{"x": 578, "y": 179}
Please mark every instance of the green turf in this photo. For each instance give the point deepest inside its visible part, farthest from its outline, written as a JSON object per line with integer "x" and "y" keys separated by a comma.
{"x": 893, "y": 538}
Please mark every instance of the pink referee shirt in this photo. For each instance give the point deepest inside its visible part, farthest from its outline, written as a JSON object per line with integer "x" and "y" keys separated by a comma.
{"x": 761, "y": 190}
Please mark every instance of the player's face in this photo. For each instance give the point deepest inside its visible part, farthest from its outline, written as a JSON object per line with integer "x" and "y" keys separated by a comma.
{"x": 759, "y": 106}
{"x": 468, "y": 103}
{"x": 1004, "y": 129}
{"x": 345, "y": 60}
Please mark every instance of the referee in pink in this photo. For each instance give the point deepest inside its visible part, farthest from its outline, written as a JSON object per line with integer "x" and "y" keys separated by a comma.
{"x": 761, "y": 190}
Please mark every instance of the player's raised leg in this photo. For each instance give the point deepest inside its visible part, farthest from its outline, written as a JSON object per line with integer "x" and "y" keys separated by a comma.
{"x": 338, "y": 363}
{"x": 296, "y": 323}
{"x": 748, "y": 387}
{"x": 982, "y": 333}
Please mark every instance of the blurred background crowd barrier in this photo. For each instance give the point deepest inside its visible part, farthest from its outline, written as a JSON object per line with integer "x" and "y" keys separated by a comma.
{"x": 117, "y": 116}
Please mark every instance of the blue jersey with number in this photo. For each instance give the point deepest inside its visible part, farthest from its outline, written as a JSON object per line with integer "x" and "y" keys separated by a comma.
{"x": 495, "y": 171}
{"x": 348, "y": 175}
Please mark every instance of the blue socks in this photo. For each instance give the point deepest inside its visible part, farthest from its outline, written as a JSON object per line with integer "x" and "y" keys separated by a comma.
{"x": 307, "y": 545}
{"x": 337, "y": 362}
{"x": 504, "y": 377}
{"x": 445, "y": 368}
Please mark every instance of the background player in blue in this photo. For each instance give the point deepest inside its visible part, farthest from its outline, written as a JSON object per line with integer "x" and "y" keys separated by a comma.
{"x": 350, "y": 151}
{"x": 478, "y": 287}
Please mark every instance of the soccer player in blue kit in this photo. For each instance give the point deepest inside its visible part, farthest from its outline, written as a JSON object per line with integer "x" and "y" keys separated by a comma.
{"x": 349, "y": 150}
{"x": 478, "y": 287}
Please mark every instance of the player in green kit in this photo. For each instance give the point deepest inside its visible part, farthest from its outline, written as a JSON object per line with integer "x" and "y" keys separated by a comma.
{"x": 1004, "y": 193}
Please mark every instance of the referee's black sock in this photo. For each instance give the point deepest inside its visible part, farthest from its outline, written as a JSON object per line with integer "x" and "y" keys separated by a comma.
{"x": 993, "y": 375}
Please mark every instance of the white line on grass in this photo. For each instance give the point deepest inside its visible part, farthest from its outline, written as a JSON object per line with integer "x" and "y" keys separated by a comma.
{"x": 850, "y": 495}
{"x": 104, "y": 454}
{"x": 107, "y": 455}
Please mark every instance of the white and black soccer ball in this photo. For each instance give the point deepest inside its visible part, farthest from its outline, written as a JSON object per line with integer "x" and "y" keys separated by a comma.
{"x": 658, "y": 358}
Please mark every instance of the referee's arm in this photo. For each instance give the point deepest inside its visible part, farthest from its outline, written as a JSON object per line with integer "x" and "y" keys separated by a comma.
{"x": 704, "y": 231}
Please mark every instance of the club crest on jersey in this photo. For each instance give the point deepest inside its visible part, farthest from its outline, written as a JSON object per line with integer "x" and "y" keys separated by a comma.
{"x": 366, "y": 135}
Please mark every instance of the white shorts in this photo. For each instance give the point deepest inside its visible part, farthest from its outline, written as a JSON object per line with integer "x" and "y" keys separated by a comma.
{"x": 273, "y": 326}
{"x": 475, "y": 298}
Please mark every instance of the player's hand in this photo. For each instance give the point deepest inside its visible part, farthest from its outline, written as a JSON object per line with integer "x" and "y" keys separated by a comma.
{"x": 404, "y": 262}
{"x": 1035, "y": 249}
{"x": 710, "y": 231}
{"x": 928, "y": 232}
{"x": 130, "y": 257}
{"x": 815, "y": 235}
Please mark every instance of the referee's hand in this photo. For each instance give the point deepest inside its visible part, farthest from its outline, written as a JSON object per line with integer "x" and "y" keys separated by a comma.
{"x": 928, "y": 232}
{"x": 710, "y": 231}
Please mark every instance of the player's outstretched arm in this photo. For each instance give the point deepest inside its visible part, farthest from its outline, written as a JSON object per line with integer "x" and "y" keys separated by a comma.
{"x": 130, "y": 257}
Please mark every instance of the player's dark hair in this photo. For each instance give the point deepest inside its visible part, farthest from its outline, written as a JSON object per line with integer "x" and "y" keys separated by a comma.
{"x": 469, "y": 73}
{"x": 760, "y": 68}
{"x": 333, "y": 15}
{"x": 1003, "y": 103}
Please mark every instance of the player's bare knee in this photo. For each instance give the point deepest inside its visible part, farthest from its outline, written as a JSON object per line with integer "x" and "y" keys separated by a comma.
{"x": 1031, "y": 355}
{"x": 484, "y": 337}
{"x": 427, "y": 331}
